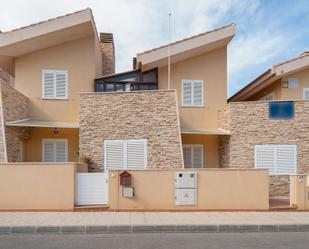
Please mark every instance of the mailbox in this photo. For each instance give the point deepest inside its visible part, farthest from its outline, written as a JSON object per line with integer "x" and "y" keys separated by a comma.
{"x": 125, "y": 179}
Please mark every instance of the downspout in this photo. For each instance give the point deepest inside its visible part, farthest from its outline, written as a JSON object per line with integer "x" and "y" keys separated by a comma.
{"x": 3, "y": 126}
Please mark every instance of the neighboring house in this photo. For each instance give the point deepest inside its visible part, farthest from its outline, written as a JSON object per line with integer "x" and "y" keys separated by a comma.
{"x": 52, "y": 63}
{"x": 288, "y": 80}
{"x": 268, "y": 121}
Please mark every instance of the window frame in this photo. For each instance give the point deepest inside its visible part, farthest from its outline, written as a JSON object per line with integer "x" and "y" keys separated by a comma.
{"x": 54, "y": 72}
{"x": 305, "y": 89}
{"x": 55, "y": 140}
{"x": 125, "y": 143}
{"x": 275, "y": 167}
{"x": 191, "y": 146}
{"x": 184, "y": 81}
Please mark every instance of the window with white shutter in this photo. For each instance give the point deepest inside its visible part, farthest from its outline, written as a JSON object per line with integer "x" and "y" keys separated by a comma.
{"x": 306, "y": 94}
{"x": 192, "y": 93}
{"x": 193, "y": 155}
{"x": 125, "y": 154}
{"x": 278, "y": 159}
{"x": 54, "y": 84}
{"x": 55, "y": 150}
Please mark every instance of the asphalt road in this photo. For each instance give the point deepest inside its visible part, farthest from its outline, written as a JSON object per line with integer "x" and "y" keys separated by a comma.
{"x": 296, "y": 240}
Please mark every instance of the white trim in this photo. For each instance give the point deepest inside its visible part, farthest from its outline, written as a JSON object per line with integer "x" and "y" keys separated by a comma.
{"x": 191, "y": 146}
{"x": 192, "y": 82}
{"x": 125, "y": 143}
{"x": 55, "y": 140}
{"x": 54, "y": 72}
{"x": 305, "y": 89}
{"x": 3, "y": 129}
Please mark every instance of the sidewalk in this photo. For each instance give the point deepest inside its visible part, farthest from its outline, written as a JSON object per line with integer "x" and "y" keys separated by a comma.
{"x": 128, "y": 222}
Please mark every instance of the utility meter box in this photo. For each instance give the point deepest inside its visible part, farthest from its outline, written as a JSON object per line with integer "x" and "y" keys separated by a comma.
{"x": 186, "y": 196}
{"x": 186, "y": 188}
{"x": 186, "y": 180}
{"x": 128, "y": 192}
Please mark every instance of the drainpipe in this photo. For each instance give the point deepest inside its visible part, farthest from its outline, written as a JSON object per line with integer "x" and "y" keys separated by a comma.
{"x": 169, "y": 53}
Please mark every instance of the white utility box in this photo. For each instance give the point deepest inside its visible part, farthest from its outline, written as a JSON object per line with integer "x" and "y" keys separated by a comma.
{"x": 186, "y": 196}
{"x": 186, "y": 188}
{"x": 128, "y": 192}
{"x": 186, "y": 180}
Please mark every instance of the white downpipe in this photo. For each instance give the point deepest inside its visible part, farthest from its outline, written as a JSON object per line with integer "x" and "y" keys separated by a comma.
{"x": 169, "y": 54}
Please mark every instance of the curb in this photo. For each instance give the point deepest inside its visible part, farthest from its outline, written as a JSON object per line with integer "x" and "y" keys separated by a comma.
{"x": 117, "y": 229}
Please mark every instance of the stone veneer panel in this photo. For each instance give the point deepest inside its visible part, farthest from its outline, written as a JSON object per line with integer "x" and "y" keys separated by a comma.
{"x": 151, "y": 115}
{"x": 14, "y": 107}
{"x": 249, "y": 124}
{"x": 108, "y": 58}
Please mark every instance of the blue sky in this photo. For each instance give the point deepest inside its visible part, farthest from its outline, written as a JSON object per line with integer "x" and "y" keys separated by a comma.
{"x": 267, "y": 31}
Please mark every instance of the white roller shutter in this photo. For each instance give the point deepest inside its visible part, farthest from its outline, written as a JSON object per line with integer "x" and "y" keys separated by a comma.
{"x": 286, "y": 159}
{"x": 61, "y": 151}
{"x": 187, "y": 156}
{"x": 192, "y": 93}
{"x": 61, "y": 84}
{"x": 125, "y": 154}
{"x": 197, "y": 156}
{"x": 136, "y": 154}
{"x": 186, "y": 93}
{"x": 48, "y": 151}
{"x": 48, "y": 84}
{"x": 55, "y": 150}
{"x": 193, "y": 155}
{"x": 198, "y": 93}
{"x": 265, "y": 157}
{"x": 114, "y": 155}
{"x": 54, "y": 84}
{"x": 306, "y": 93}
{"x": 279, "y": 159}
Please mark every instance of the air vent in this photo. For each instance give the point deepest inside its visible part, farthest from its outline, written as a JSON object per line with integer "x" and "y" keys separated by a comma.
{"x": 106, "y": 38}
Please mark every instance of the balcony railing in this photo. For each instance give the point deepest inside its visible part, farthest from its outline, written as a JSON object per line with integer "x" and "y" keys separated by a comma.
{"x": 124, "y": 86}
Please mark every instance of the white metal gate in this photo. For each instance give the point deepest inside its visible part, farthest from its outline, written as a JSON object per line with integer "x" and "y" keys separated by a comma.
{"x": 92, "y": 188}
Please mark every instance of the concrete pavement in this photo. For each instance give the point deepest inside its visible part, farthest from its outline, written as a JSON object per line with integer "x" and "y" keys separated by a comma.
{"x": 136, "y": 222}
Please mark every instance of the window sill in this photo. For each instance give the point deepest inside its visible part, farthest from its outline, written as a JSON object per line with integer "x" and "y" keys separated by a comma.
{"x": 192, "y": 106}
{"x": 55, "y": 99}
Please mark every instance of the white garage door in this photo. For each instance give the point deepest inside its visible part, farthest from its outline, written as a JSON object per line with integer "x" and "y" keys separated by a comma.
{"x": 92, "y": 188}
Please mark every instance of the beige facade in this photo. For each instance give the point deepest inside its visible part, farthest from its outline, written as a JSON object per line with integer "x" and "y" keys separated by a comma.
{"x": 211, "y": 67}
{"x": 72, "y": 57}
{"x": 32, "y": 186}
{"x": 210, "y": 145}
{"x": 218, "y": 189}
{"x": 132, "y": 115}
{"x": 300, "y": 191}
{"x": 249, "y": 125}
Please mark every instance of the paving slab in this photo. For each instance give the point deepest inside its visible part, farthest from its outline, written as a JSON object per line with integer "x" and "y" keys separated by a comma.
{"x": 137, "y": 222}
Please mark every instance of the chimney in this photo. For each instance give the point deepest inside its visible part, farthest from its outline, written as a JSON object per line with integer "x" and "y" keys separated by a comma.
{"x": 108, "y": 50}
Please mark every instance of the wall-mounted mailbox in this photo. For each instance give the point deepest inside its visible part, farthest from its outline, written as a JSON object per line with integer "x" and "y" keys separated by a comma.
{"x": 125, "y": 179}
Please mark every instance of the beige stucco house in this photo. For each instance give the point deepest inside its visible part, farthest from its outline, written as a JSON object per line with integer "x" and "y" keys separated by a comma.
{"x": 66, "y": 94}
{"x": 268, "y": 123}
{"x": 62, "y": 102}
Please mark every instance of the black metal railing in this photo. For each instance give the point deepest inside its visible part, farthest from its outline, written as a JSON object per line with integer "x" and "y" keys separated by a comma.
{"x": 118, "y": 86}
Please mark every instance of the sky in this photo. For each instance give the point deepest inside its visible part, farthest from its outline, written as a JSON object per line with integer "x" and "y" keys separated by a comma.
{"x": 267, "y": 31}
